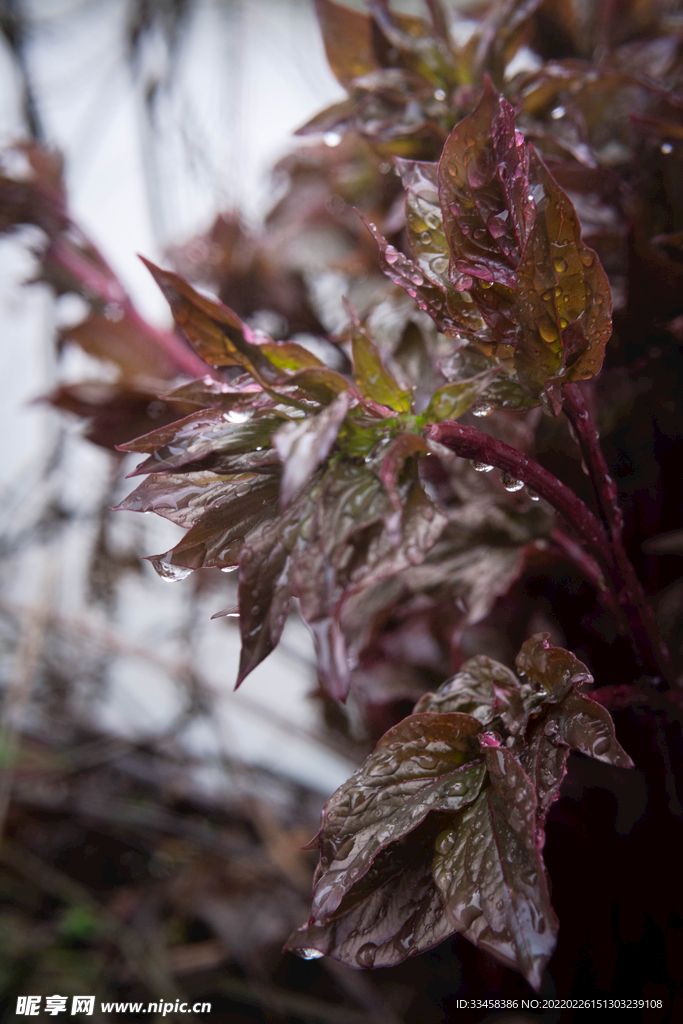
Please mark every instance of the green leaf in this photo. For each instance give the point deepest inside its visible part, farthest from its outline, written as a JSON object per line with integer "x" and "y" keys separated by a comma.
{"x": 563, "y": 303}
{"x": 453, "y": 400}
{"x": 372, "y": 377}
{"x": 491, "y": 875}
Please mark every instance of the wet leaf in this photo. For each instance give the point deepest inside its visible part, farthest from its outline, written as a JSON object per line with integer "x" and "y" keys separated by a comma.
{"x": 452, "y": 400}
{"x": 551, "y": 671}
{"x": 184, "y": 497}
{"x": 372, "y": 377}
{"x": 491, "y": 874}
{"x": 426, "y": 763}
{"x": 453, "y": 312}
{"x": 264, "y": 590}
{"x": 484, "y": 689}
{"x": 216, "y": 537}
{"x": 210, "y": 432}
{"x": 395, "y": 912}
{"x": 402, "y": 448}
{"x": 484, "y": 190}
{"x": 563, "y": 302}
{"x": 588, "y": 727}
{"x": 304, "y": 445}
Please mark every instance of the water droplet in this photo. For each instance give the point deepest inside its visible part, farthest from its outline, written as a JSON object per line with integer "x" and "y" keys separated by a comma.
{"x": 666, "y": 148}
{"x": 486, "y": 284}
{"x": 229, "y": 568}
{"x": 308, "y": 953}
{"x": 365, "y": 957}
{"x": 439, "y": 94}
{"x": 532, "y": 494}
{"x": 114, "y": 311}
{"x": 560, "y": 265}
{"x": 482, "y": 467}
{"x": 169, "y": 572}
{"x": 509, "y": 482}
{"x": 481, "y": 409}
{"x": 332, "y": 138}
{"x": 557, "y": 112}
{"x": 587, "y": 259}
{"x": 439, "y": 265}
{"x": 563, "y": 322}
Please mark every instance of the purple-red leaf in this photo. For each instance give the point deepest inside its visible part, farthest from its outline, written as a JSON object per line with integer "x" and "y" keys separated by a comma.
{"x": 484, "y": 190}
{"x": 428, "y": 762}
{"x": 563, "y": 303}
{"x": 491, "y": 874}
{"x": 551, "y": 671}
{"x": 304, "y": 444}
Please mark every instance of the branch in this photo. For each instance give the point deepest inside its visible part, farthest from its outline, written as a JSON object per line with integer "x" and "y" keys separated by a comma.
{"x": 470, "y": 443}
{"x": 629, "y": 591}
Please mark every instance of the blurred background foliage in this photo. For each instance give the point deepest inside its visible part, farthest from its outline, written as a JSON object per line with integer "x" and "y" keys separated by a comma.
{"x": 152, "y": 820}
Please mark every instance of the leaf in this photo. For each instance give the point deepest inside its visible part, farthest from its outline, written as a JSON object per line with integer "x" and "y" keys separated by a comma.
{"x": 453, "y": 312}
{"x": 304, "y": 445}
{"x": 372, "y": 377}
{"x": 423, "y": 764}
{"x": 222, "y": 339}
{"x": 563, "y": 302}
{"x": 396, "y": 912}
{"x": 184, "y": 497}
{"x": 115, "y": 412}
{"x": 587, "y": 726}
{"x": 402, "y": 448}
{"x": 346, "y": 548}
{"x": 484, "y": 191}
{"x": 491, "y": 874}
{"x": 210, "y": 432}
{"x": 453, "y": 400}
{"x": 484, "y": 689}
{"x": 551, "y": 671}
{"x": 264, "y": 589}
{"x": 347, "y": 35}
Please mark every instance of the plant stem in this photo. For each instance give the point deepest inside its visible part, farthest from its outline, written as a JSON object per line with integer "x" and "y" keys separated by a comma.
{"x": 585, "y": 563}
{"x": 470, "y": 443}
{"x": 630, "y": 594}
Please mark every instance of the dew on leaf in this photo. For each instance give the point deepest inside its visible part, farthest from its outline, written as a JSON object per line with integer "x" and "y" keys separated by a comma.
{"x": 308, "y": 953}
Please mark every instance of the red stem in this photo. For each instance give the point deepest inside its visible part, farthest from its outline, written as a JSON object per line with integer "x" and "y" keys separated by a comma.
{"x": 629, "y": 593}
{"x": 470, "y": 443}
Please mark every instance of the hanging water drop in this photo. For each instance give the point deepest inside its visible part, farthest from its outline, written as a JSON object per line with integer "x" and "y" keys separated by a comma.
{"x": 481, "y": 467}
{"x": 169, "y": 572}
{"x": 481, "y": 409}
{"x": 509, "y": 482}
{"x": 308, "y": 953}
{"x": 532, "y": 494}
